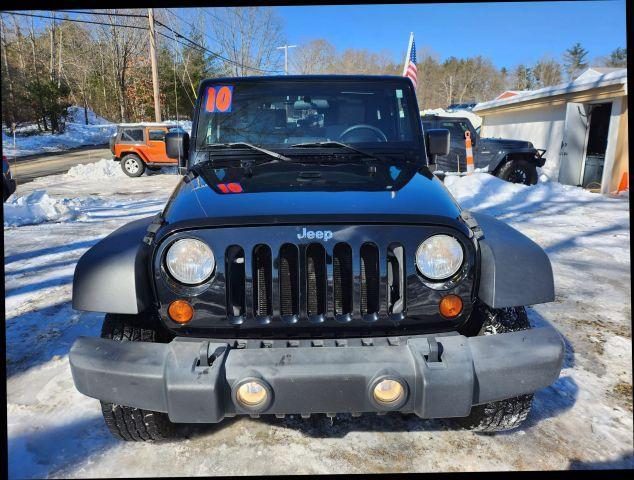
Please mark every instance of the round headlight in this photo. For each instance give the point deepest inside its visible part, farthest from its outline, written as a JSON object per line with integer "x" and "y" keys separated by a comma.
{"x": 439, "y": 257}
{"x": 190, "y": 261}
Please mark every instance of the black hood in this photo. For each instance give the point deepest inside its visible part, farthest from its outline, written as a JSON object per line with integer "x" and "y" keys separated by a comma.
{"x": 422, "y": 198}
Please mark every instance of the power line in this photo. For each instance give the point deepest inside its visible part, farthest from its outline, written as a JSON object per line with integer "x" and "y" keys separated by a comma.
{"x": 187, "y": 39}
{"x": 86, "y": 12}
{"x": 76, "y": 20}
{"x": 215, "y": 53}
{"x": 192, "y": 25}
{"x": 191, "y": 42}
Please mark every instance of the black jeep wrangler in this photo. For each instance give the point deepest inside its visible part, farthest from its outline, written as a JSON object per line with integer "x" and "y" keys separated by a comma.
{"x": 515, "y": 161}
{"x": 309, "y": 262}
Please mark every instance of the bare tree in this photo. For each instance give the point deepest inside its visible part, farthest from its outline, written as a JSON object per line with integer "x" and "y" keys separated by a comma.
{"x": 248, "y": 37}
{"x": 547, "y": 72}
{"x": 316, "y": 56}
{"x": 123, "y": 45}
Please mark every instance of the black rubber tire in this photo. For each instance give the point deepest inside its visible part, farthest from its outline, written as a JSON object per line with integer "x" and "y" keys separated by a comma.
{"x": 518, "y": 171}
{"x": 141, "y": 165}
{"x": 129, "y": 423}
{"x": 505, "y": 414}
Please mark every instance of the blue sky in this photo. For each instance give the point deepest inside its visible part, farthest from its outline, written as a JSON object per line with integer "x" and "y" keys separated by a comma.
{"x": 507, "y": 33}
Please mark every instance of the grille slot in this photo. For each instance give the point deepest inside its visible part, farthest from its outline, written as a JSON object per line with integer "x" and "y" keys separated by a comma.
{"x": 234, "y": 266}
{"x": 316, "y": 279}
{"x": 262, "y": 281}
{"x": 311, "y": 282}
{"x": 395, "y": 279}
{"x": 289, "y": 279}
{"x": 342, "y": 273}
{"x": 369, "y": 279}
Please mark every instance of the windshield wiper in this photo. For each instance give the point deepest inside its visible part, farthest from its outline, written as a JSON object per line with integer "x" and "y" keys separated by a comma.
{"x": 270, "y": 153}
{"x": 334, "y": 143}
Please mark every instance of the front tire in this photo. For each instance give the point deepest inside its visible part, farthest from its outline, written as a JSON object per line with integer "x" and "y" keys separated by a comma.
{"x": 132, "y": 165}
{"x": 518, "y": 171}
{"x": 512, "y": 412}
{"x": 129, "y": 423}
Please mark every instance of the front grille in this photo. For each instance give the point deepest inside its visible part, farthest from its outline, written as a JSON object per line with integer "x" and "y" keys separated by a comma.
{"x": 314, "y": 282}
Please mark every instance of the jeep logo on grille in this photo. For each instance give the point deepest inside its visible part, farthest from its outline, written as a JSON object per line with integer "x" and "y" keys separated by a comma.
{"x": 324, "y": 235}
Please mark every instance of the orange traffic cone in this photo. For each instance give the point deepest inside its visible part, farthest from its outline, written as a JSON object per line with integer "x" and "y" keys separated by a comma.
{"x": 624, "y": 185}
{"x": 467, "y": 141}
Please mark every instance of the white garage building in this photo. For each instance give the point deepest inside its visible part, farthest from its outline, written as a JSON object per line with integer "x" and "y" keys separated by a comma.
{"x": 582, "y": 125}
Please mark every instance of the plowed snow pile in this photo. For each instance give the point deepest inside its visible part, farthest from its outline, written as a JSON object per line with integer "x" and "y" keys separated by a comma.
{"x": 584, "y": 420}
{"x": 104, "y": 168}
{"x": 39, "y": 207}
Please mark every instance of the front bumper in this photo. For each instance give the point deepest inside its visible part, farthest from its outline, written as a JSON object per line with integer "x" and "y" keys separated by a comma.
{"x": 192, "y": 378}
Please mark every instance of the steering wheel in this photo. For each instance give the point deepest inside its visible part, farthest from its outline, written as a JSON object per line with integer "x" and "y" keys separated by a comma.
{"x": 381, "y": 137}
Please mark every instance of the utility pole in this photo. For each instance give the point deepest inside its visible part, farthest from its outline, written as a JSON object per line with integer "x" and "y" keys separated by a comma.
{"x": 155, "y": 80}
{"x": 285, "y": 48}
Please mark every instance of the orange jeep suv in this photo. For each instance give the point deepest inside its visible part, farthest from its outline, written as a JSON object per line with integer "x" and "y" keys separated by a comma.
{"x": 141, "y": 145}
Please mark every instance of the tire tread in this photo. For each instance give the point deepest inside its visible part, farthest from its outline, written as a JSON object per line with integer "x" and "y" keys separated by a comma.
{"x": 130, "y": 423}
{"x": 512, "y": 412}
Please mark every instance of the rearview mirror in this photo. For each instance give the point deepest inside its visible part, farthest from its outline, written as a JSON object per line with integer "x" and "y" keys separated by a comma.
{"x": 177, "y": 147}
{"x": 437, "y": 142}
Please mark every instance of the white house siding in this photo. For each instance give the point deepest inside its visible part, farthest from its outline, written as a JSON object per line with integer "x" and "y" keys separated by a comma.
{"x": 543, "y": 127}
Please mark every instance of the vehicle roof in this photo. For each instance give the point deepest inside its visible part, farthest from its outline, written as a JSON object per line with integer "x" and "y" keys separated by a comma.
{"x": 443, "y": 117}
{"x": 306, "y": 78}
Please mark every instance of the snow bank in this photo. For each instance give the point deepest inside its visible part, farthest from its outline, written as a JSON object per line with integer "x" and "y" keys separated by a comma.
{"x": 481, "y": 191}
{"x": 77, "y": 134}
{"x": 38, "y": 207}
{"x": 35, "y": 208}
{"x": 104, "y": 168}
{"x": 76, "y": 115}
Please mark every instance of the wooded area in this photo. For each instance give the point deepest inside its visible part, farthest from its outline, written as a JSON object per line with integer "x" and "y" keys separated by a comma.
{"x": 99, "y": 60}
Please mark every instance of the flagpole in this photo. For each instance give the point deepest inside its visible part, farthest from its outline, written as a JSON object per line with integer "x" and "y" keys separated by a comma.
{"x": 409, "y": 52}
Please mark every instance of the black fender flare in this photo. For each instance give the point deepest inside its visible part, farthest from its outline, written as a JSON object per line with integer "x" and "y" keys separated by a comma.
{"x": 514, "y": 270}
{"x": 528, "y": 154}
{"x": 113, "y": 276}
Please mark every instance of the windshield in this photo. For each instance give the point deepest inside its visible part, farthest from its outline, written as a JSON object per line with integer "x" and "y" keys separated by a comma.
{"x": 279, "y": 114}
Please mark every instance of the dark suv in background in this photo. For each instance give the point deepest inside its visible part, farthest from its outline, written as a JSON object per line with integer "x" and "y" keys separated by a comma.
{"x": 515, "y": 161}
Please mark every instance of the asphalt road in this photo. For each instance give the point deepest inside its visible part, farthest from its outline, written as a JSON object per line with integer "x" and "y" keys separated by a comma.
{"x": 26, "y": 169}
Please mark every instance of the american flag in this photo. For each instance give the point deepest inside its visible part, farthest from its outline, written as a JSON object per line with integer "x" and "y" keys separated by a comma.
{"x": 410, "y": 62}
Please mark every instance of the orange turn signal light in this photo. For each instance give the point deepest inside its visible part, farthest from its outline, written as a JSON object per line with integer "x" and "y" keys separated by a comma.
{"x": 450, "y": 306}
{"x": 180, "y": 311}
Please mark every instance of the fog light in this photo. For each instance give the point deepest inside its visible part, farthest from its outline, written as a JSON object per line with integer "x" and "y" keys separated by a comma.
{"x": 180, "y": 311}
{"x": 388, "y": 392}
{"x": 450, "y": 306}
{"x": 252, "y": 394}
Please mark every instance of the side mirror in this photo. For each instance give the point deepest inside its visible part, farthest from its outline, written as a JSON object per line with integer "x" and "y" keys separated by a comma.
{"x": 177, "y": 147}
{"x": 437, "y": 142}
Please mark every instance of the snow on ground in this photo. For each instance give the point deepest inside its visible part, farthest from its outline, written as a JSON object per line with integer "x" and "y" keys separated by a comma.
{"x": 77, "y": 134}
{"x": 583, "y": 421}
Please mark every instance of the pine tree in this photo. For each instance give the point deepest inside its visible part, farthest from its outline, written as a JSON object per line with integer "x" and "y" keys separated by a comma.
{"x": 575, "y": 60}
{"x": 618, "y": 58}
{"x": 523, "y": 78}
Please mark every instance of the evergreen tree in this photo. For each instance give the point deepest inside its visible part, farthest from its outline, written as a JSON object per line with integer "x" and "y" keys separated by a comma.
{"x": 523, "y": 78}
{"x": 575, "y": 60}
{"x": 618, "y": 58}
